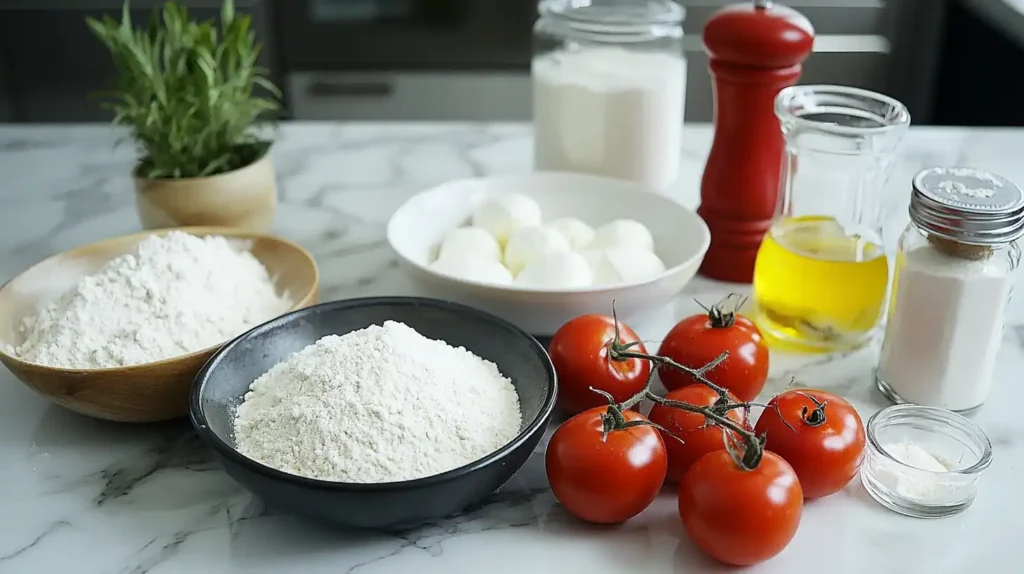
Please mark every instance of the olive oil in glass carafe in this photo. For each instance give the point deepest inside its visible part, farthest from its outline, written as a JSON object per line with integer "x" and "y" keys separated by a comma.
{"x": 821, "y": 275}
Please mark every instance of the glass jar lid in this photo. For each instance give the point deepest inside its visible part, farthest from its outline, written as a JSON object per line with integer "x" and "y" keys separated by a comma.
{"x": 616, "y": 17}
{"x": 967, "y": 205}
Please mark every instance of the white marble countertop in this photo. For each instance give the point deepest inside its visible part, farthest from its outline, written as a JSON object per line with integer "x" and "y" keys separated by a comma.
{"x": 83, "y": 496}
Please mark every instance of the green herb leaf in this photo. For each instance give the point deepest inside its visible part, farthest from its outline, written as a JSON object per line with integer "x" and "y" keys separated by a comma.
{"x": 190, "y": 93}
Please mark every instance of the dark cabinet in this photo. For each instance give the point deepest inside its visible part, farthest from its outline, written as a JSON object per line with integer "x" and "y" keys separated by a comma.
{"x": 409, "y": 70}
{"x": 51, "y": 66}
{"x": 982, "y": 49}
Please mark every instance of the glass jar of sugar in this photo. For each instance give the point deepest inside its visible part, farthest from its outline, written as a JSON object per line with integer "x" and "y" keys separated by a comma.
{"x": 609, "y": 85}
{"x": 953, "y": 276}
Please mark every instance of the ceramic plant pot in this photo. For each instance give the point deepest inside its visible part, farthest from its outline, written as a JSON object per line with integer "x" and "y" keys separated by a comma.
{"x": 244, "y": 198}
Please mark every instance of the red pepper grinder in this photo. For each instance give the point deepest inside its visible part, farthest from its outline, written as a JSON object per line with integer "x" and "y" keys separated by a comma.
{"x": 754, "y": 50}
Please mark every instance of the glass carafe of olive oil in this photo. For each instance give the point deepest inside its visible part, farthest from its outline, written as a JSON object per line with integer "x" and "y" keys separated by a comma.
{"x": 821, "y": 275}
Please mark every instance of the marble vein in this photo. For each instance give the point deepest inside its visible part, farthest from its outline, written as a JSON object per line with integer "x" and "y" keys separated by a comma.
{"x": 53, "y": 527}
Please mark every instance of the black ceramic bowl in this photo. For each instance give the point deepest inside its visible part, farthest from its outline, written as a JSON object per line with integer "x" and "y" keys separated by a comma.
{"x": 222, "y": 383}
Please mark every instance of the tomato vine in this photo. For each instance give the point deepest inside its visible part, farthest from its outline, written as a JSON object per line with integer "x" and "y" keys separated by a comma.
{"x": 747, "y": 454}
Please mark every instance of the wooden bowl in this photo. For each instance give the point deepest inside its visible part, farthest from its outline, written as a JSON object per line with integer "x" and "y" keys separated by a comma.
{"x": 146, "y": 392}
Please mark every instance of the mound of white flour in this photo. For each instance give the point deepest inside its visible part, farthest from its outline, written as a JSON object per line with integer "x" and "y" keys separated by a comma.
{"x": 171, "y": 296}
{"x": 381, "y": 404}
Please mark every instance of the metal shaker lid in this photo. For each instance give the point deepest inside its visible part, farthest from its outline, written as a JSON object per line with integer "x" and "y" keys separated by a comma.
{"x": 967, "y": 205}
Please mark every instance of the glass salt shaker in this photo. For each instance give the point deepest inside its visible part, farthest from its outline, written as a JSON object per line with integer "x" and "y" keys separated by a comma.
{"x": 821, "y": 274}
{"x": 609, "y": 85}
{"x": 954, "y": 272}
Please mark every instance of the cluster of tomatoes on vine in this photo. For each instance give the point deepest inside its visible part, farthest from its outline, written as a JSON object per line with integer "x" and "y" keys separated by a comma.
{"x": 741, "y": 486}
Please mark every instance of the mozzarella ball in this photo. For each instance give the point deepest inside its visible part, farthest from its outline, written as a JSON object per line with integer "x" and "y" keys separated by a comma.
{"x": 528, "y": 244}
{"x": 623, "y": 265}
{"x": 501, "y": 215}
{"x": 622, "y": 233}
{"x": 594, "y": 258}
{"x": 578, "y": 233}
{"x": 560, "y": 270}
{"x": 465, "y": 242}
{"x": 473, "y": 268}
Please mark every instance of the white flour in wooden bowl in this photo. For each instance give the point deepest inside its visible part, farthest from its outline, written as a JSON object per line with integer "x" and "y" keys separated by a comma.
{"x": 381, "y": 404}
{"x": 171, "y": 296}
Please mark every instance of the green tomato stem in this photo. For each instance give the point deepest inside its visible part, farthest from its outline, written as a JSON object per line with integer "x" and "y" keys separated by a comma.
{"x": 753, "y": 446}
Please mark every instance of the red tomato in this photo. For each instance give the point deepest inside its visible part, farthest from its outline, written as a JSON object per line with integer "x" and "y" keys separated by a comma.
{"x": 699, "y": 339}
{"x": 825, "y": 446}
{"x": 741, "y": 517}
{"x": 579, "y": 352}
{"x": 605, "y": 479}
{"x": 694, "y": 437}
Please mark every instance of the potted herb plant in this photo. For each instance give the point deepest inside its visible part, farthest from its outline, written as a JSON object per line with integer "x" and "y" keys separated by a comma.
{"x": 195, "y": 102}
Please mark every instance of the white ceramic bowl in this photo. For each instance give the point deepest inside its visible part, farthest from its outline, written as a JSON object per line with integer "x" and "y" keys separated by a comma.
{"x": 681, "y": 239}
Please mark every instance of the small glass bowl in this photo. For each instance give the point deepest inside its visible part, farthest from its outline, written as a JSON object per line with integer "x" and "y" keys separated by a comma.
{"x": 952, "y": 440}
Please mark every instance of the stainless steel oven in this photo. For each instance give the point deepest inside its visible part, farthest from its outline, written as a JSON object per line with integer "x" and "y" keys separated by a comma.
{"x": 406, "y": 59}
{"x": 404, "y": 34}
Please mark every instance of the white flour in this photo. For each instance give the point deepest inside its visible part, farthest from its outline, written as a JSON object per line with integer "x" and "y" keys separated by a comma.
{"x": 381, "y": 404}
{"x": 945, "y": 328}
{"x": 910, "y": 484}
{"x": 913, "y": 455}
{"x": 173, "y": 295}
{"x": 611, "y": 112}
